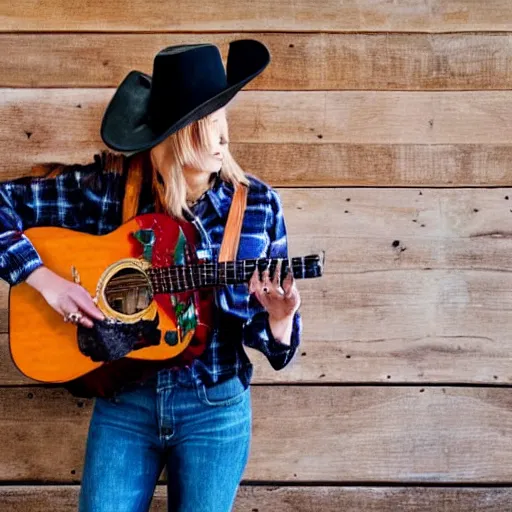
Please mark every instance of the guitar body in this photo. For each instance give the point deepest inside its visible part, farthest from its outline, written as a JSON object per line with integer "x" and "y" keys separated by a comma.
{"x": 45, "y": 348}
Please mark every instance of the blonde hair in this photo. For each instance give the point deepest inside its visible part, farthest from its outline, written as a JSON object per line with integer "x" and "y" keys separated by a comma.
{"x": 186, "y": 147}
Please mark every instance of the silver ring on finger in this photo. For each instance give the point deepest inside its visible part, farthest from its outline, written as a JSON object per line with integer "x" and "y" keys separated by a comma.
{"x": 73, "y": 317}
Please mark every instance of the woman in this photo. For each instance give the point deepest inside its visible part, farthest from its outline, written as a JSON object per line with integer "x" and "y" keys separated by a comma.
{"x": 195, "y": 420}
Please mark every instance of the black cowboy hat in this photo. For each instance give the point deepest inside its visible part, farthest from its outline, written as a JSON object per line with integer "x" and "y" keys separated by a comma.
{"x": 188, "y": 83}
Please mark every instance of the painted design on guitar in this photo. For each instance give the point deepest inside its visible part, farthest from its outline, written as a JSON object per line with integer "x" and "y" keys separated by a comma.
{"x": 185, "y": 311}
{"x": 146, "y": 238}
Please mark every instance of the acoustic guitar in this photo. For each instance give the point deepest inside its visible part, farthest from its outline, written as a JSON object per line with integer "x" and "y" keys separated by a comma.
{"x": 147, "y": 269}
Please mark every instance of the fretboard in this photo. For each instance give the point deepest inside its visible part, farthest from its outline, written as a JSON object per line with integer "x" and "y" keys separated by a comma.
{"x": 180, "y": 278}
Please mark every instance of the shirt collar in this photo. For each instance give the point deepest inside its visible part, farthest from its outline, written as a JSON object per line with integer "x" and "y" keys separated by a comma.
{"x": 220, "y": 195}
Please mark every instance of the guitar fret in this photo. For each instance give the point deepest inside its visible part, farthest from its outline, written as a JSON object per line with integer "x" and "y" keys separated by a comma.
{"x": 156, "y": 283}
{"x": 177, "y": 279}
{"x": 162, "y": 279}
{"x": 158, "y": 280}
{"x": 199, "y": 276}
{"x": 191, "y": 276}
{"x": 170, "y": 280}
{"x": 184, "y": 286}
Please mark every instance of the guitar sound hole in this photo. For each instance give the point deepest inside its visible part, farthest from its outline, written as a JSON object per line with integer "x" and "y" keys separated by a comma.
{"x": 128, "y": 291}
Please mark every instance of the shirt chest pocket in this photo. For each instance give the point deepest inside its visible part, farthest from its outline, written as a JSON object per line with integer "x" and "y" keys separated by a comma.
{"x": 253, "y": 245}
{"x": 254, "y": 239}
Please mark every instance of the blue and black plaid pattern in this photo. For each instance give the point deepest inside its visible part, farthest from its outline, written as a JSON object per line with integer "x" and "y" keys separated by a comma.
{"x": 86, "y": 198}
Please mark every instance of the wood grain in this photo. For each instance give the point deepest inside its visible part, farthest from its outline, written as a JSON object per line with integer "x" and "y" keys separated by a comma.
{"x": 259, "y": 15}
{"x": 310, "y": 138}
{"x": 362, "y": 433}
{"x": 311, "y": 61}
{"x": 63, "y": 498}
{"x": 320, "y": 165}
{"x": 305, "y": 117}
{"x": 360, "y": 93}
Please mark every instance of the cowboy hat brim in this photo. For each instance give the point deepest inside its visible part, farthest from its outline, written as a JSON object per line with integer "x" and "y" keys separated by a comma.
{"x": 125, "y": 125}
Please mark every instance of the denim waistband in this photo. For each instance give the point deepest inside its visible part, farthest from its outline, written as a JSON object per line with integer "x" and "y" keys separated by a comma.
{"x": 187, "y": 377}
{"x": 172, "y": 377}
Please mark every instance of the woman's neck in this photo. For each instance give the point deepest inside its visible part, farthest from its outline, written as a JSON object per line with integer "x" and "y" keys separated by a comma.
{"x": 198, "y": 182}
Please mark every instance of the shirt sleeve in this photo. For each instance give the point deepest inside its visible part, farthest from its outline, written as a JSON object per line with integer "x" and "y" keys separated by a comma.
{"x": 70, "y": 199}
{"x": 256, "y": 332}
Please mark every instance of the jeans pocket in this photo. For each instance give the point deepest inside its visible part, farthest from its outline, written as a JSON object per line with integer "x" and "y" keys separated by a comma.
{"x": 228, "y": 392}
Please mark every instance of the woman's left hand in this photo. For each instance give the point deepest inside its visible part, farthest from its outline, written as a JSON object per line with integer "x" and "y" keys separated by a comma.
{"x": 281, "y": 302}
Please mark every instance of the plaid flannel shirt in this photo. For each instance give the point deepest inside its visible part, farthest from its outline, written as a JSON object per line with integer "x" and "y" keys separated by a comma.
{"x": 89, "y": 199}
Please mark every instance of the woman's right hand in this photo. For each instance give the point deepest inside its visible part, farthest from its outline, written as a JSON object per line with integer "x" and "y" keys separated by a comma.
{"x": 64, "y": 296}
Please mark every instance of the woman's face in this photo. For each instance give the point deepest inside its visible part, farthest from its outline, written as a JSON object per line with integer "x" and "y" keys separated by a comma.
{"x": 211, "y": 161}
{"x": 206, "y": 161}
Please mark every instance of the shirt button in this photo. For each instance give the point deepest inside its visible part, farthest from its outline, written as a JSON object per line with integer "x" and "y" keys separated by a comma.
{"x": 167, "y": 431}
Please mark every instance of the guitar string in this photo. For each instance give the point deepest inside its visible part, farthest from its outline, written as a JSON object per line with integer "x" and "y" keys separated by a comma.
{"x": 210, "y": 266}
{"x": 163, "y": 275}
{"x": 228, "y": 266}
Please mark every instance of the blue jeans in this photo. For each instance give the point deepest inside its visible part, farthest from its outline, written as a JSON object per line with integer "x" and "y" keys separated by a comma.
{"x": 202, "y": 434}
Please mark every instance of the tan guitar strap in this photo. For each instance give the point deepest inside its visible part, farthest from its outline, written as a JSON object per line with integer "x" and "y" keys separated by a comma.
{"x": 231, "y": 238}
{"x": 132, "y": 188}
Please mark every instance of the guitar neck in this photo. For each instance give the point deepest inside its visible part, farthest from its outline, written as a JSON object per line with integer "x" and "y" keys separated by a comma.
{"x": 180, "y": 278}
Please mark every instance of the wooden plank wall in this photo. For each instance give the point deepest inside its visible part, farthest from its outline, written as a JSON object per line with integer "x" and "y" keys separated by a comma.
{"x": 387, "y": 128}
